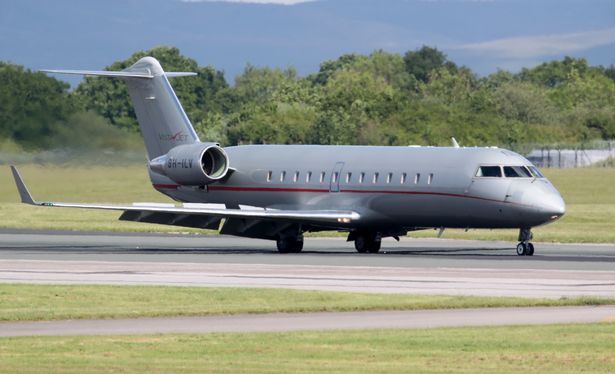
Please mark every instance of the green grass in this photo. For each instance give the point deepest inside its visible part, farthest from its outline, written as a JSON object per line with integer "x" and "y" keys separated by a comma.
{"x": 588, "y": 193}
{"x": 54, "y": 302}
{"x": 519, "y": 349}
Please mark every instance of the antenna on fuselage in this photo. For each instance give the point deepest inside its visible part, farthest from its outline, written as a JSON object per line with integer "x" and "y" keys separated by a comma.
{"x": 454, "y": 141}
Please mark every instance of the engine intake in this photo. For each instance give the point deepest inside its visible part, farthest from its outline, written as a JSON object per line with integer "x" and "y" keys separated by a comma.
{"x": 193, "y": 164}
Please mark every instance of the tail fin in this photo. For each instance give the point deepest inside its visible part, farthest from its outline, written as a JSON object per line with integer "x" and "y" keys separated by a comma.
{"x": 162, "y": 119}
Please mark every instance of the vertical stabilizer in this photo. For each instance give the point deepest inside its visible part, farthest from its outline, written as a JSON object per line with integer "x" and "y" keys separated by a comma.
{"x": 162, "y": 120}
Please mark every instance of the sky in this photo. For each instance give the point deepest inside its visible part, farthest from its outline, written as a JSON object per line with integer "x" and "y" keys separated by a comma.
{"x": 227, "y": 34}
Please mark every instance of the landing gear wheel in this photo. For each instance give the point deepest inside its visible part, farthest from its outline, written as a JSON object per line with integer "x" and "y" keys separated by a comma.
{"x": 366, "y": 243}
{"x": 360, "y": 244}
{"x": 289, "y": 245}
{"x": 522, "y": 249}
{"x": 530, "y": 249}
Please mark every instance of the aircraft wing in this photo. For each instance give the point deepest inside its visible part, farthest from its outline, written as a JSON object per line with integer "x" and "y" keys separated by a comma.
{"x": 167, "y": 213}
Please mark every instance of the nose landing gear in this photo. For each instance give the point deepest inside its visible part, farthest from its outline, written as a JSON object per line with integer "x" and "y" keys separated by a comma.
{"x": 525, "y": 248}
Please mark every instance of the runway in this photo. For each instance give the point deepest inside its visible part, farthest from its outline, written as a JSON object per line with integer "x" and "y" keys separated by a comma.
{"x": 412, "y": 266}
{"x": 283, "y": 322}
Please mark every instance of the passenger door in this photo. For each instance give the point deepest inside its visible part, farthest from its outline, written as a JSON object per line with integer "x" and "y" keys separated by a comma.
{"x": 336, "y": 175}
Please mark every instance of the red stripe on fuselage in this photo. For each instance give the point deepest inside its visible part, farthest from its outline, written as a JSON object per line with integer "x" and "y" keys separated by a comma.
{"x": 316, "y": 190}
{"x": 162, "y": 186}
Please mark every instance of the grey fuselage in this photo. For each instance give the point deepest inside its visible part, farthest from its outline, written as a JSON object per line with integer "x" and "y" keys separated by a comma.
{"x": 395, "y": 189}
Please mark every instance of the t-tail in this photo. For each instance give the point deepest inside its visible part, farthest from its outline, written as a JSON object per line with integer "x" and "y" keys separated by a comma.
{"x": 173, "y": 147}
{"x": 162, "y": 119}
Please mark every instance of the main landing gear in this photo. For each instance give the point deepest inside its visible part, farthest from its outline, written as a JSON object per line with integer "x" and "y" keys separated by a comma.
{"x": 525, "y": 248}
{"x": 290, "y": 244}
{"x": 365, "y": 242}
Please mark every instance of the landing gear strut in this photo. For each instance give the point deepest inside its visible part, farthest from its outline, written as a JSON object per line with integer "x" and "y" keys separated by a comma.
{"x": 525, "y": 248}
{"x": 290, "y": 244}
{"x": 367, "y": 242}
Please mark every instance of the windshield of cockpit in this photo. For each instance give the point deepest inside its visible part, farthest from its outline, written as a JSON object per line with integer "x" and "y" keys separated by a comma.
{"x": 508, "y": 171}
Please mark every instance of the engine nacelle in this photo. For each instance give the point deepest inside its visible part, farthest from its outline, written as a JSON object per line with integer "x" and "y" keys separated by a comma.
{"x": 193, "y": 164}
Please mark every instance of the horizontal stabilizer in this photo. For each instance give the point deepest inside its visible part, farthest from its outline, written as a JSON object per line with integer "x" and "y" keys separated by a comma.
{"x": 121, "y": 74}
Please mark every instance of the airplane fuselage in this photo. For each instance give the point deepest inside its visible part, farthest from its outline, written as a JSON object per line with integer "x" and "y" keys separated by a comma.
{"x": 393, "y": 188}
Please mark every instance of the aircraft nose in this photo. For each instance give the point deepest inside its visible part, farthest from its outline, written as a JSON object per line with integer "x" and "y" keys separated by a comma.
{"x": 553, "y": 205}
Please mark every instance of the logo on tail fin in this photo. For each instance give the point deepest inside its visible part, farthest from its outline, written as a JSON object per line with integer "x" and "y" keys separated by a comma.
{"x": 177, "y": 137}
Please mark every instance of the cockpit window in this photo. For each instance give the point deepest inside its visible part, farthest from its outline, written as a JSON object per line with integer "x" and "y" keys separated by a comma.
{"x": 516, "y": 172}
{"x": 489, "y": 171}
{"x": 535, "y": 172}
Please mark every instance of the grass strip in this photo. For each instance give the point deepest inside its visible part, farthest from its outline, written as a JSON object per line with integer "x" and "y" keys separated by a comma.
{"x": 20, "y": 302}
{"x": 519, "y": 349}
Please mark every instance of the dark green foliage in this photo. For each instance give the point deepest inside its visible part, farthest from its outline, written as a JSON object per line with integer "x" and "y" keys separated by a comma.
{"x": 109, "y": 97}
{"x": 382, "y": 98}
{"x": 422, "y": 62}
{"x": 32, "y": 105}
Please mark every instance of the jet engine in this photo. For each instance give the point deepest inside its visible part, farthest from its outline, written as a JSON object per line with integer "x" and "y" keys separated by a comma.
{"x": 193, "y": 164}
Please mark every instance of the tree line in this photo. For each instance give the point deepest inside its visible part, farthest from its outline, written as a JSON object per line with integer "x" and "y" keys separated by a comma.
{"x": 420, "y": 97}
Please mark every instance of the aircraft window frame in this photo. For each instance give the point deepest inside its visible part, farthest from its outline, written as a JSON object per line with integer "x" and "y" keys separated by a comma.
{"x": 296, "y": 177}
{"x": 335, "y": 177}
{"x": 402, "y": 180}
{"x": 348, "y": 177}
{"x": 308, "y": 177}
{"x": 322, "y": 176}
{"x": 417, "y": 178}
{"x": 375, "y": 178}
{"x": 430, "y": 178}
{"x": 535, "y": 171}
{"x": 389, "y": 178}
{"x": 282, "y": 176}
{"x": 480, "y": 170}
{"x": 520, "y": 171}
{"x": 361, "y": 177}
{"x": 269, "y": 175}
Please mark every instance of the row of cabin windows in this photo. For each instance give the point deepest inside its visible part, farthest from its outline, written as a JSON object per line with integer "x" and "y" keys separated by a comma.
{"x": 348, "y": 178}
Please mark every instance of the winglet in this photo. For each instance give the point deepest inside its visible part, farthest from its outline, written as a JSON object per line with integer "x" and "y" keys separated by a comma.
{"x": 26, "y": 198}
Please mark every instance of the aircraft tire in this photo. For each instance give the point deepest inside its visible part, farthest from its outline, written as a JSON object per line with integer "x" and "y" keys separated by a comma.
{"x": 365, "y": 243}
{"x": 374, "y": 247}
{"x": 530, "y": 249}
{"x": 289, "y": 245}
{"x": 360, "y": 243}
{"x": 522, "y": 249}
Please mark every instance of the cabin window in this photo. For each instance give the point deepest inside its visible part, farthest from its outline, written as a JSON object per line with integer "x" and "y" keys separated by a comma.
{"x": 296, "y": 177}
{"x": 375, "y": 179}
{"x": 516, "y": 172}
{"x": 269, "y": 174}
{"x": 489, "y": 172}
{"x": 282, "y": 176}
{"x": 535, "y": 172}
{"x": 322, "y": 177}
{"x": 334, "y": 179}
{"x": 348, "y": 177}
{"x": 403, "y": 178}
{"x": 417, "y": 178}
{"x": 430, "y": 178}
{"x": 361, "y": 177}
{"x": 389, "y": 177}
{"x": 308, "y": 176}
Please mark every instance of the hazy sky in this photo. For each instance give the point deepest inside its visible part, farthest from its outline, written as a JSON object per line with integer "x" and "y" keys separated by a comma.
{"x": 482, "y": 34}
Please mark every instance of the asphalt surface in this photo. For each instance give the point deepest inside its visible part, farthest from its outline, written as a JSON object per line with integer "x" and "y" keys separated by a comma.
{"x": 413, "y": 266}
{"x": 281, "y": 322}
